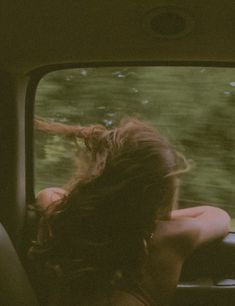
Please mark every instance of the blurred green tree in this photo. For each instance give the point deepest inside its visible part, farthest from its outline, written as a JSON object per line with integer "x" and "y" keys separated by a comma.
{"x": 192, "y": 106}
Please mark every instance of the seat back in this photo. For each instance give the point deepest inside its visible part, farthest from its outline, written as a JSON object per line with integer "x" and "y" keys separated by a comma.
{"x": 15, "y": 288}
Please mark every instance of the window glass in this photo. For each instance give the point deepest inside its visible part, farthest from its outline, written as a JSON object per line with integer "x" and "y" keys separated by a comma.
{"x": 193, "y": 106}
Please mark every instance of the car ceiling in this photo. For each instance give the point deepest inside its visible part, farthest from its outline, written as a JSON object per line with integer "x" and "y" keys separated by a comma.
{"x": 37, "y": 33}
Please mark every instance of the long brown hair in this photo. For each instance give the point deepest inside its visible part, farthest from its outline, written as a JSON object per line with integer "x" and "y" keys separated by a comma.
{"x": 97, "y": 231}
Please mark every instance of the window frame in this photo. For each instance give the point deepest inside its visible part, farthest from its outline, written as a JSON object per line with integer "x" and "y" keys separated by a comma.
{"x": 37, "y": 74}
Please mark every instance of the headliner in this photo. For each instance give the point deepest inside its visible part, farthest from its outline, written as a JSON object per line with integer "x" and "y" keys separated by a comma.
{"x": 37, "y": 33}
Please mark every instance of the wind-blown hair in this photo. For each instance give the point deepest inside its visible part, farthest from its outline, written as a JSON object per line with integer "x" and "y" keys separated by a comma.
{"x": 99, "y": 231}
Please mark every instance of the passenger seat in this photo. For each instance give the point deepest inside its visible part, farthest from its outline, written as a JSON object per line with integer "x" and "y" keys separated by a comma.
{"x": 15, "y": 288}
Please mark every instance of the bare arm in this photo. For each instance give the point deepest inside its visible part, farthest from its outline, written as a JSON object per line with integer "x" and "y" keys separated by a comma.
{"x": 48, "y": 196}
{"x": 173, "y": 240}
{"x": 57, "y": 127}
{"x": 203, "y": 223}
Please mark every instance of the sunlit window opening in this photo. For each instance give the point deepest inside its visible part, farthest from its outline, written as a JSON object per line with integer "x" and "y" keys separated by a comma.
{"x": 193, "y": 106}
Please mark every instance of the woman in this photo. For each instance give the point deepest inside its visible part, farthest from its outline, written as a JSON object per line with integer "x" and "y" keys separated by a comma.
{"x": 113, "y": 237}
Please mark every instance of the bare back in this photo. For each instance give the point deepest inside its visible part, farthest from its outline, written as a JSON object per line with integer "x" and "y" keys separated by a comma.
{"x": 172, "y": 241}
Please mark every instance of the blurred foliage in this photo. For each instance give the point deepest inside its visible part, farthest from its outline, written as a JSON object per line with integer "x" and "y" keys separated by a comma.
{"x": 193, "y": 106}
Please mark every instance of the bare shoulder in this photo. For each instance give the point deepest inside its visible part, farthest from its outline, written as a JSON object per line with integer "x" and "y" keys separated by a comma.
{"x": 49, "y": 195}
{"x": 171, "y": 242}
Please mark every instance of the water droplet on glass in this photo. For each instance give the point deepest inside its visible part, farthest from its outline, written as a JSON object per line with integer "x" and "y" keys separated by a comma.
{"x": 64, "y": 120}
{"x": 111, "y": 114}
{"x": 68, "y": 77}
{"x": 132, "y": 73}
{"x": 107, "y": 122}
{"x": 135, "y": 90}
{"x": 144, "y": 102}
{"x": 232, "y": 84}
{"x": 116, "y": 72}
{"x": 83, "y": 72}
{"x": 121, "y": 75}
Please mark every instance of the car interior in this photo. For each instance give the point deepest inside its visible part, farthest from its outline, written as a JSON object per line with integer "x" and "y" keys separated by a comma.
{"x": 184, "y": 43}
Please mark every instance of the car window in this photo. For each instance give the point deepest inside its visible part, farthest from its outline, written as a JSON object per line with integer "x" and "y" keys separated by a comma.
{"x": 193, "y": 106}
